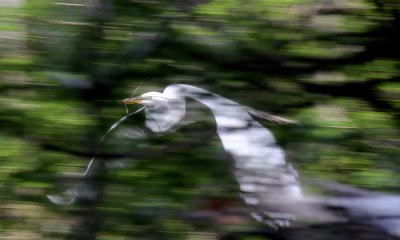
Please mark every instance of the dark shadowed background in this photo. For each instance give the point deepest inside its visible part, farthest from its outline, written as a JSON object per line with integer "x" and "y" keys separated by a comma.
{"x": 332, "y": 65}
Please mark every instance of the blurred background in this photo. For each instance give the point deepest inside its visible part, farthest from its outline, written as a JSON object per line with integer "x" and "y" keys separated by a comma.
{"x": 332, "y": 65}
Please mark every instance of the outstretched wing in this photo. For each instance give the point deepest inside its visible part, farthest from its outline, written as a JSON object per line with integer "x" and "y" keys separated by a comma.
{"x": 260, "y": 166}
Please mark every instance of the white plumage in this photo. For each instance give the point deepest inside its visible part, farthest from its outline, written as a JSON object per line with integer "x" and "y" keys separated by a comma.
{"x": 261, "y": 169}
{"x": 267, "y": 181}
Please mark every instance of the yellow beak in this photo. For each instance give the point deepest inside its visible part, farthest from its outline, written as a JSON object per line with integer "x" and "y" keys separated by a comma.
{"x": 132, "y": 100}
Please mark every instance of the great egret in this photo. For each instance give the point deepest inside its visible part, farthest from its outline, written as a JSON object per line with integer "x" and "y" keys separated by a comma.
{"x": 260, "y": 166}
{"x": 267, "y": 181}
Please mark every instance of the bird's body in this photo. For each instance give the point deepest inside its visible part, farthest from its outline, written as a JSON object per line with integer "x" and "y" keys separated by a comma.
{"x": 260, "y": 165}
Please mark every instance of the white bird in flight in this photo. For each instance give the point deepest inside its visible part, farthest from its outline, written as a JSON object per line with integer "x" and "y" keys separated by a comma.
{"x": 260, "y": 165}
{"x": 268, "y": 183}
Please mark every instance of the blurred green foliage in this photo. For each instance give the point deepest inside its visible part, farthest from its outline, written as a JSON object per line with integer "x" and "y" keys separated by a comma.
{"x": 332, "y": 65}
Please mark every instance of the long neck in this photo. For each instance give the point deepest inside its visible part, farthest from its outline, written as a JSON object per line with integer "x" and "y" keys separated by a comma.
{"x": 228, "y": 114}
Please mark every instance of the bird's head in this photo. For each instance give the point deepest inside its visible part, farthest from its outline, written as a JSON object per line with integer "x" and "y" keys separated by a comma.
{"x": 148, "y": 99}
{"x": 163, "y": 111}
